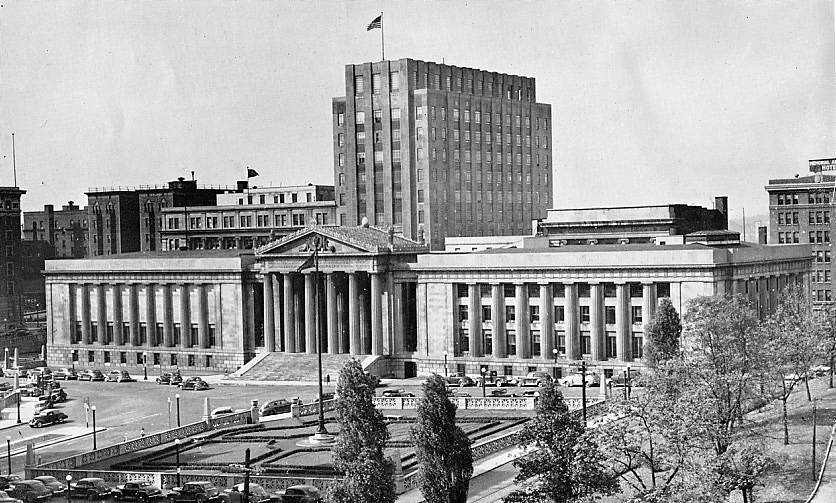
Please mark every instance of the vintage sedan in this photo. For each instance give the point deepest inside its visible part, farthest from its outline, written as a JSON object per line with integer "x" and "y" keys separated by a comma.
{"x": 300, "y": 494}
{"x": 65, "y": 374}
{"x": 47, "y": 417}
{"x": 52, "y": 484}
{"x": 141, "y": 490}
{"x": 5, "y": 498}
{"x": 197, "y": 492}
{"x": 90, "y": 488}
{"x": 257, "y": 494}
{"x": 119, "y": 376}
{"x": 172, "y": 378}
{"x": 91, "y": 375}
{"x": 30, "y": 491}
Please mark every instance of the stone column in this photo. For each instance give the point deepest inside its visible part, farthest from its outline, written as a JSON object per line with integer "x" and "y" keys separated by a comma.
{"x": 331, "y": 310}
{"x": 623, "y": 327}
{"x": 597, "y": 334}
{"x": 150, "y": 315}
{"x": 289, "y": 314}
{"x": 269, "y": 314}
{"x": 573, "y": 335}
{"x": 118, "y": 321}
{"x": 278, "y": 325}
{"x": 342, "y": 315}
{"x": 354, "y": 315}
{"x": 498, "y": 320}
{"x": 85, "y": 313}
{"x": 363, "y": 306}
{"x": 185, "y": 317}
{"x": 202, "y": 317}
{"x": 299, "y": 314}
{"x": 648, "y": 303}
{"x": 474, "y": 320}
{"x": 133, "y": 313}
{"x": 522, "y": 325}
{"x": 421, "y": 321}
{"x": 377, "y": 314}
{"x": 168, "y": 317}
{"x": 101, "y": 313}
{"x": 398, "y": 343}
{"x": 547, "y": 342}
{"x": 71, "y": 312}
{"x": 310, "y": 314}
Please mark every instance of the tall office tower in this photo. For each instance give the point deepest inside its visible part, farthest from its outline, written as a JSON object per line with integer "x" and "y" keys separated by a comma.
{"x": 445, "y": 150}
{"x": 11, "y": 307}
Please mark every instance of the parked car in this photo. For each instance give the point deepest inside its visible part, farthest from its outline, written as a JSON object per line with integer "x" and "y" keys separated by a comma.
{"x": 221, "y": 411}
{"x": 91, "y": 375}
{"x": 119, "y": 376}
{"x": 65, "y": 374}
{"x": 531, "y": 392}
{"x": 194, "y": 384}
{"x": 820, "y": 370}
{"x": 396, "y": 392}
{"x": 325, "y": 397}
{"x": 12, "y": 371}
{"x": 497, "y": 380}
{"x": 197, "y": 492}
{"x": 5, "y": 386}
{"x": 47, "y": 404}
{"x": 459, "y": 394}
{"x": 620, "y": 378}
{"x": 90, "y": 488}
{"x": 140, "y": 490}
{"x": 5, "y": 498}
{"x": 500, "y": 393}
{"x": 6, "y": 480}
{"x": 537, "y": 379}
{"x": 55, "y": 396}
{"x": 47, "y": 417}
{"x": 300, "y": 494}
{"x": 257, "y": 494}
{"x": 272, "y": 407}
{"x": 577, "y": 380}
{"x": 52, "y": 484}
{"x": 172, "y": 378}
{"x": 459, "y": 379}
{"x": 29, "y": 491}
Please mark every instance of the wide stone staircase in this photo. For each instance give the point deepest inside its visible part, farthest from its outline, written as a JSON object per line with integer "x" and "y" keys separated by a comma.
{"x": 292, "y": 367}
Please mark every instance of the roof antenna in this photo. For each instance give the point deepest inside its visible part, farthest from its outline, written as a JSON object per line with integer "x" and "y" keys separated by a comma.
{"x": 192, "y": 175}
{"x": 14, "y": 161}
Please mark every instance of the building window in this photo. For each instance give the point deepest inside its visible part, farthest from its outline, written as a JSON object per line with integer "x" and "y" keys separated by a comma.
{"x": 360, "y": 118}
{"x": 156, "y": 358}
{"x": 123, "y": 357}
{"x": 534, "y": 314}
{"x": 394, "y": 81}
{"x": 375, "y": 83}
{"x": 636, "y": 313}
{"x": 511, "y": 342}
{"x": 340, "y": 119}
{"x": 106, "y": 356}
{"x": 586, "y": 343}
{"x": 535, "y": 342}
{"x": 91, "y": 357}
{"x": 609, "y": 315}
{"x": 611, "y": 345}
{"x": 584, "y": 314}
{"x": 359, "y": 85}
{"x": 559, "y": 316}
{"x": 172, "y": 358}
{"x": 638, "y": 346}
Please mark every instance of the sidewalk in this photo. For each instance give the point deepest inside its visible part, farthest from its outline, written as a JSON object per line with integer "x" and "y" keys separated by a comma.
{"x": 8, "y": 416}
{"x": 827, "y": 490}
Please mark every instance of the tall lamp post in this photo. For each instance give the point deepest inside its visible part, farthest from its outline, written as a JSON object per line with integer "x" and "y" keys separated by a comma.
{"x": 315, "y": 245}
{"x": 9, "y": 453}
{"x": 177, "y": 459}
{"x": 18, "y": 406}
{"x": 169, "y": 412}
{"x": 554, "y": 368}
{"x": 69, "y": 479}
{"x": 93, "y": 408}
{"x": 445, "y": 364}
{"x": 583, "y": 369}
{"x": 628, "y": 392}
{"x": 177, "y": 399}
{"x": 483, "y": 371}
{"x": 145, "y": 365}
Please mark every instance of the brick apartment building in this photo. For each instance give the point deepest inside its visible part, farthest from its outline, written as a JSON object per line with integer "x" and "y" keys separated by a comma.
{"x": 11, "y": 306}
{"x": 451, "y": 151}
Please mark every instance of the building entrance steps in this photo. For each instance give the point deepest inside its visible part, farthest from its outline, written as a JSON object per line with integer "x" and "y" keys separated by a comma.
{"x": 299, "y": 367}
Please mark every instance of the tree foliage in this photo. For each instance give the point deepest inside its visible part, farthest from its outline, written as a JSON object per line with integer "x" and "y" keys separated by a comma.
{"x": 358, "y": 452}
{"x": 662, "y": 333}
{"x": 741, "y": 468}
{"x": 725, "y": 351}
{"x": 442, "y": 447}
{"x": 565, "y": 465}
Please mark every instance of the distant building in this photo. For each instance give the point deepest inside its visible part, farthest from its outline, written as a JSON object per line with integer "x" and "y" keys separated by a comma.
{"x": 128, "y": 219}
{"x": 800, "y": 210}
{"x": 248, "y": 218}
{"x": 65, "y": 230}
{"x": 448, "y": 150}
{"x": 11, "y": 304}
{"x": 32, "y": 286}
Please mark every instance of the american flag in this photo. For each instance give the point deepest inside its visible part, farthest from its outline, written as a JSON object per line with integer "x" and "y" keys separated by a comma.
{"x": 375, "y": 23}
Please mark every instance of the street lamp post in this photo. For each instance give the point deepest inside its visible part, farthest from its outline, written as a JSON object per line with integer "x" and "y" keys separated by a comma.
{"x": 145, "y": 365}
{"x": 583, "y": 390}
{"x": 628, "y": 392}
{"x": 169, "y": 412}
{"x": 483, "y": 371}
{"x": 177, "y": 399}
{"x": 93, "y": 408}
{"x": 177, "y": 459}
{"x": 445, "y": 364}
{"x": 9, "y": 453}
{"x": 554, "y": 368}
{"x": 68, "y": 478}
{"x": 18, "y": 407}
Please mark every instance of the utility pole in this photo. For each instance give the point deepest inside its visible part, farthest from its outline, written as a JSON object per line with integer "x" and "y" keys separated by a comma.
{"x": 814, "y": 439}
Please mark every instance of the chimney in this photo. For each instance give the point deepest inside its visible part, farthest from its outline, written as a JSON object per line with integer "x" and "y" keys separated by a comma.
{"x": 762, "y": 234}
{"x": 242, "y": 185}
{"x": 721, "y": 204}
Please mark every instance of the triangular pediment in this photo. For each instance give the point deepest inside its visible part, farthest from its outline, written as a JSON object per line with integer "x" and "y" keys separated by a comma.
{"x": 298, "y": 243}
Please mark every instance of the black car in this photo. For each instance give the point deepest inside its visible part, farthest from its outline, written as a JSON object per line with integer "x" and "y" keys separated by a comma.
{"x": 90, "y": 488}
{"x": 194, "y": 384}
{"x": 91, "y": 375}
{"x": 257, "y": 494}
{"x": 197, "y": 492}
{"x": 29, "y": 491}
{"x": 173, "y": 378}
{"x": 272, "y": 407}
{"x": 47, "y": 417}
{"x": 396, "y": 393}
{"x": 6, "y": 480}
{"x": 142, "y": 490}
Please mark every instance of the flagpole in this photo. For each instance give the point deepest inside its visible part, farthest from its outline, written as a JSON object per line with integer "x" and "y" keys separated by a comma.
{"x": 382, "y": 48}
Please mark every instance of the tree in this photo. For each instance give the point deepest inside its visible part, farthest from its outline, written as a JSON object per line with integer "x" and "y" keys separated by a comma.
{"x": 566, "y": 465}
{"x": 662, "y": 333}
{"x": 827, "y": 323}
{"x": 794, "y": 338}
{"x": 724, "y": 349}
{"x": 358, "y": 452}
{"x": 741, "y": 468}
{"x": 442, "y": 448}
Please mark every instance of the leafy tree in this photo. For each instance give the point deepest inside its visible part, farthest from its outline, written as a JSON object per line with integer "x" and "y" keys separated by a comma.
{"x": 827, "y": 323}
{"x": 725, "y": 351}
{"x": 654, "y": 440}
{"x": 662, "y": 333}
{"x": 565, "y": 465}
{"x": 442, "y": 448}
{"x": 358, "y": 452}
{"x": 795, "y": 340}
{"x": 741, "y": 468}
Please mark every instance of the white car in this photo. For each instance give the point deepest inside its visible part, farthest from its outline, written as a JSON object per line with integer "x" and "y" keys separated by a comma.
{"x": 221, "y": 411}
{"x": 577, "y": 380}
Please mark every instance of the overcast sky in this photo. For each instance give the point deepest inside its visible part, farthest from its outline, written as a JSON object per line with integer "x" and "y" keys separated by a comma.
{"x": 654, "y": 102}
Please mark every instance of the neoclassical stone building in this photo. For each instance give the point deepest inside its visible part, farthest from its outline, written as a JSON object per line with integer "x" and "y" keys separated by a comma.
{"x": 510, "y": 310}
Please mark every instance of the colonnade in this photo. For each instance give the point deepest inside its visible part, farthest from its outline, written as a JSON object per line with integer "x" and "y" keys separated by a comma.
{"x": 161, "y": 328}
{"x": 360, "y": 312}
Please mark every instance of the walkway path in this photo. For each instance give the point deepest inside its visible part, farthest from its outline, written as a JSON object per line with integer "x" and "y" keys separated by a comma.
{"x": 827, "y": 489}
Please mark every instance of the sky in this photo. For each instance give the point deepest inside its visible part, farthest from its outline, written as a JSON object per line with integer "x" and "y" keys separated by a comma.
{"x": 653, "y": 102}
